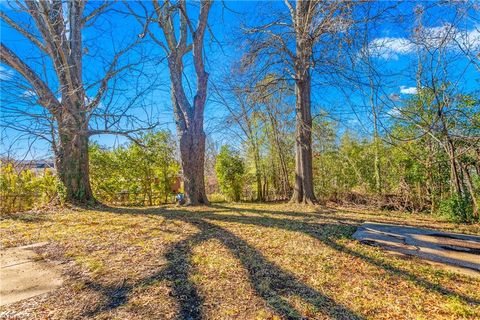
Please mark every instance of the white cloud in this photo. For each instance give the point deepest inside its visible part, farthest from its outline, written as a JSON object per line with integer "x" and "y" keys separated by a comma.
{"x": 29, "y": 94}
{"x": 394, "y": 97}
{"x": 408, "y": 90}
{"x": 469, "y": 40}
{"x": 394, "y": 112}
{"x": 5, "y": 73}
{"x": 446, "y": 36}
{"x": 436, "y": 37}
{"x": 389, "y": 48}
{"x": 450, "y": 37}
{"x": 474, "y": 36}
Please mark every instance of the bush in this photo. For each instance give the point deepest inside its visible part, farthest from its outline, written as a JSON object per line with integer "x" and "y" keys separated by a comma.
{"x": 135, "y": 174}
{"x": 216, "y": 198}
{"x": 20, "y": 191}
{"x": 457, "y": 209}
{"x": 230, "y": 170}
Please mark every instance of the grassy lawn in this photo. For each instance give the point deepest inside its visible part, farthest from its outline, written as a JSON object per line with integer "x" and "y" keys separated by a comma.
{"x": 242, "y": 261}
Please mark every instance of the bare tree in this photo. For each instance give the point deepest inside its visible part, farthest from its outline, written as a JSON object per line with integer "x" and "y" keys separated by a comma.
{"x": 272, "y": 93}
{"x": 236, "y": 96}
{"x": 440, "y": 95}
{"x": 55, "y": 28}
{"x": 189, "y": 115}
{"x": 289, "y": 41}
{"x": 442, "y": 114}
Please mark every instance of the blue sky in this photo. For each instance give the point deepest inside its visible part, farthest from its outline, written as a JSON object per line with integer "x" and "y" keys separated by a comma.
{"x": 396, "y": 60}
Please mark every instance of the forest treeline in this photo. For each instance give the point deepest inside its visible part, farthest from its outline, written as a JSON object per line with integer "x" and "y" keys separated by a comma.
{"x": 414, "y": 174}
{"x": 72, "y": 70}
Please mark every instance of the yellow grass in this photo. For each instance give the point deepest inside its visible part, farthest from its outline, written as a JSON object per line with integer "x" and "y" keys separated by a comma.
{"x": 242, "y": 261}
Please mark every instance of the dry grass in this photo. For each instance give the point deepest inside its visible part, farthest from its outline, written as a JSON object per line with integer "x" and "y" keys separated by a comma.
{"x": 246, "y": 261}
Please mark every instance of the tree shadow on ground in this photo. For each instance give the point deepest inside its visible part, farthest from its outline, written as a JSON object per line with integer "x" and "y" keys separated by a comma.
{"x": 330, "y": 213}
{"x": 269, "y": 281}
{"x": 315, "y": 230}
{"x": 24, "y": 217}
{"x": 176, "y": 271}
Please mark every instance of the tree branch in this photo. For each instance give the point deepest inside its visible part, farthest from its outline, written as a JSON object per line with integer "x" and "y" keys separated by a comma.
{"x": 95, "y": 12}
{"x": 24, "y": 32}
{"x": 46, "y": 97}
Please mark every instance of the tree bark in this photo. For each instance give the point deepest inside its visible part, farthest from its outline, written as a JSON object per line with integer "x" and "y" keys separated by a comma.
{"x": 192, "y": 150}
{"x": 376, "y": 160}
{"x": 303, "y": 189}
{"x": 71, "y": 153}
{"x": 189, "y": 122}
{"x": 72, "y": 160}
{"x": 258, "y": 173}
{"x": 59, "y": 27}
{"x": 470, "y": 188}
{"x": 454, "y": 172}
{"x": 477, "y": 163}
{"x": 188, "y": 116}
{"x": 281, "y": 157}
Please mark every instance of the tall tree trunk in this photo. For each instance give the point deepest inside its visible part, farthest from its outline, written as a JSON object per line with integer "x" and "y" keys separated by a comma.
{"x": 378, "y": 181}
{"x": 454, "y": 170}
{"x": 192, "y": 150}
{"x": 191, "y": 137}
{"x": 188, "y": 116}
{"x": 284, "y": 177}
{"x": 477, "y": 163}
{"x": 265, "y": 188}
{"x": 471, "y": 190}
{"x": 303, "y": 190}
{"x": 376, "y": 161}
{"x": 258, "y": 173}
{"x": 72, "y": 159}
{"x": 430, "y": 179}
{"x": 283, "y": 165}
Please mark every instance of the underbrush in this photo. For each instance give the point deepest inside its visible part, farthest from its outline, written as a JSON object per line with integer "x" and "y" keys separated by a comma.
{"x": 455, "y": 209}
{"x": 458, "y": 209}
{"x": 25, "y": 190}
{"x": 390, "y": 202}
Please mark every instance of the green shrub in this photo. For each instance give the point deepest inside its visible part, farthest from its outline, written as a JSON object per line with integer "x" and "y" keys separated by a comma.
{"x": 457, "y": 209}
{"x": 24, "y": 190}
{"x": 230, "y": 170}
{"x": 135, "y": 174}
{"x": 216, "y": 197}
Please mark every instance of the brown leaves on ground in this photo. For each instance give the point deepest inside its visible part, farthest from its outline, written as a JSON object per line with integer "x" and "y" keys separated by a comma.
{"x": 247, "y": 261}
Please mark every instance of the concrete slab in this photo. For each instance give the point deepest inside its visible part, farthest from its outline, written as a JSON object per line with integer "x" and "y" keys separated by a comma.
{"x": 452, "y": 251}
{"x": 24, "y": 275}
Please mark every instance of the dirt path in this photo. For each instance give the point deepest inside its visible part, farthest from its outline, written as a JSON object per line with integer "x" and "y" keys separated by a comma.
{"x": 24, "y": 275}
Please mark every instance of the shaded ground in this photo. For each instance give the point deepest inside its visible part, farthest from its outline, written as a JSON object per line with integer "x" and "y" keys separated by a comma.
{"x": 234, "y": 262}
{"x": 453, "y": 251}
